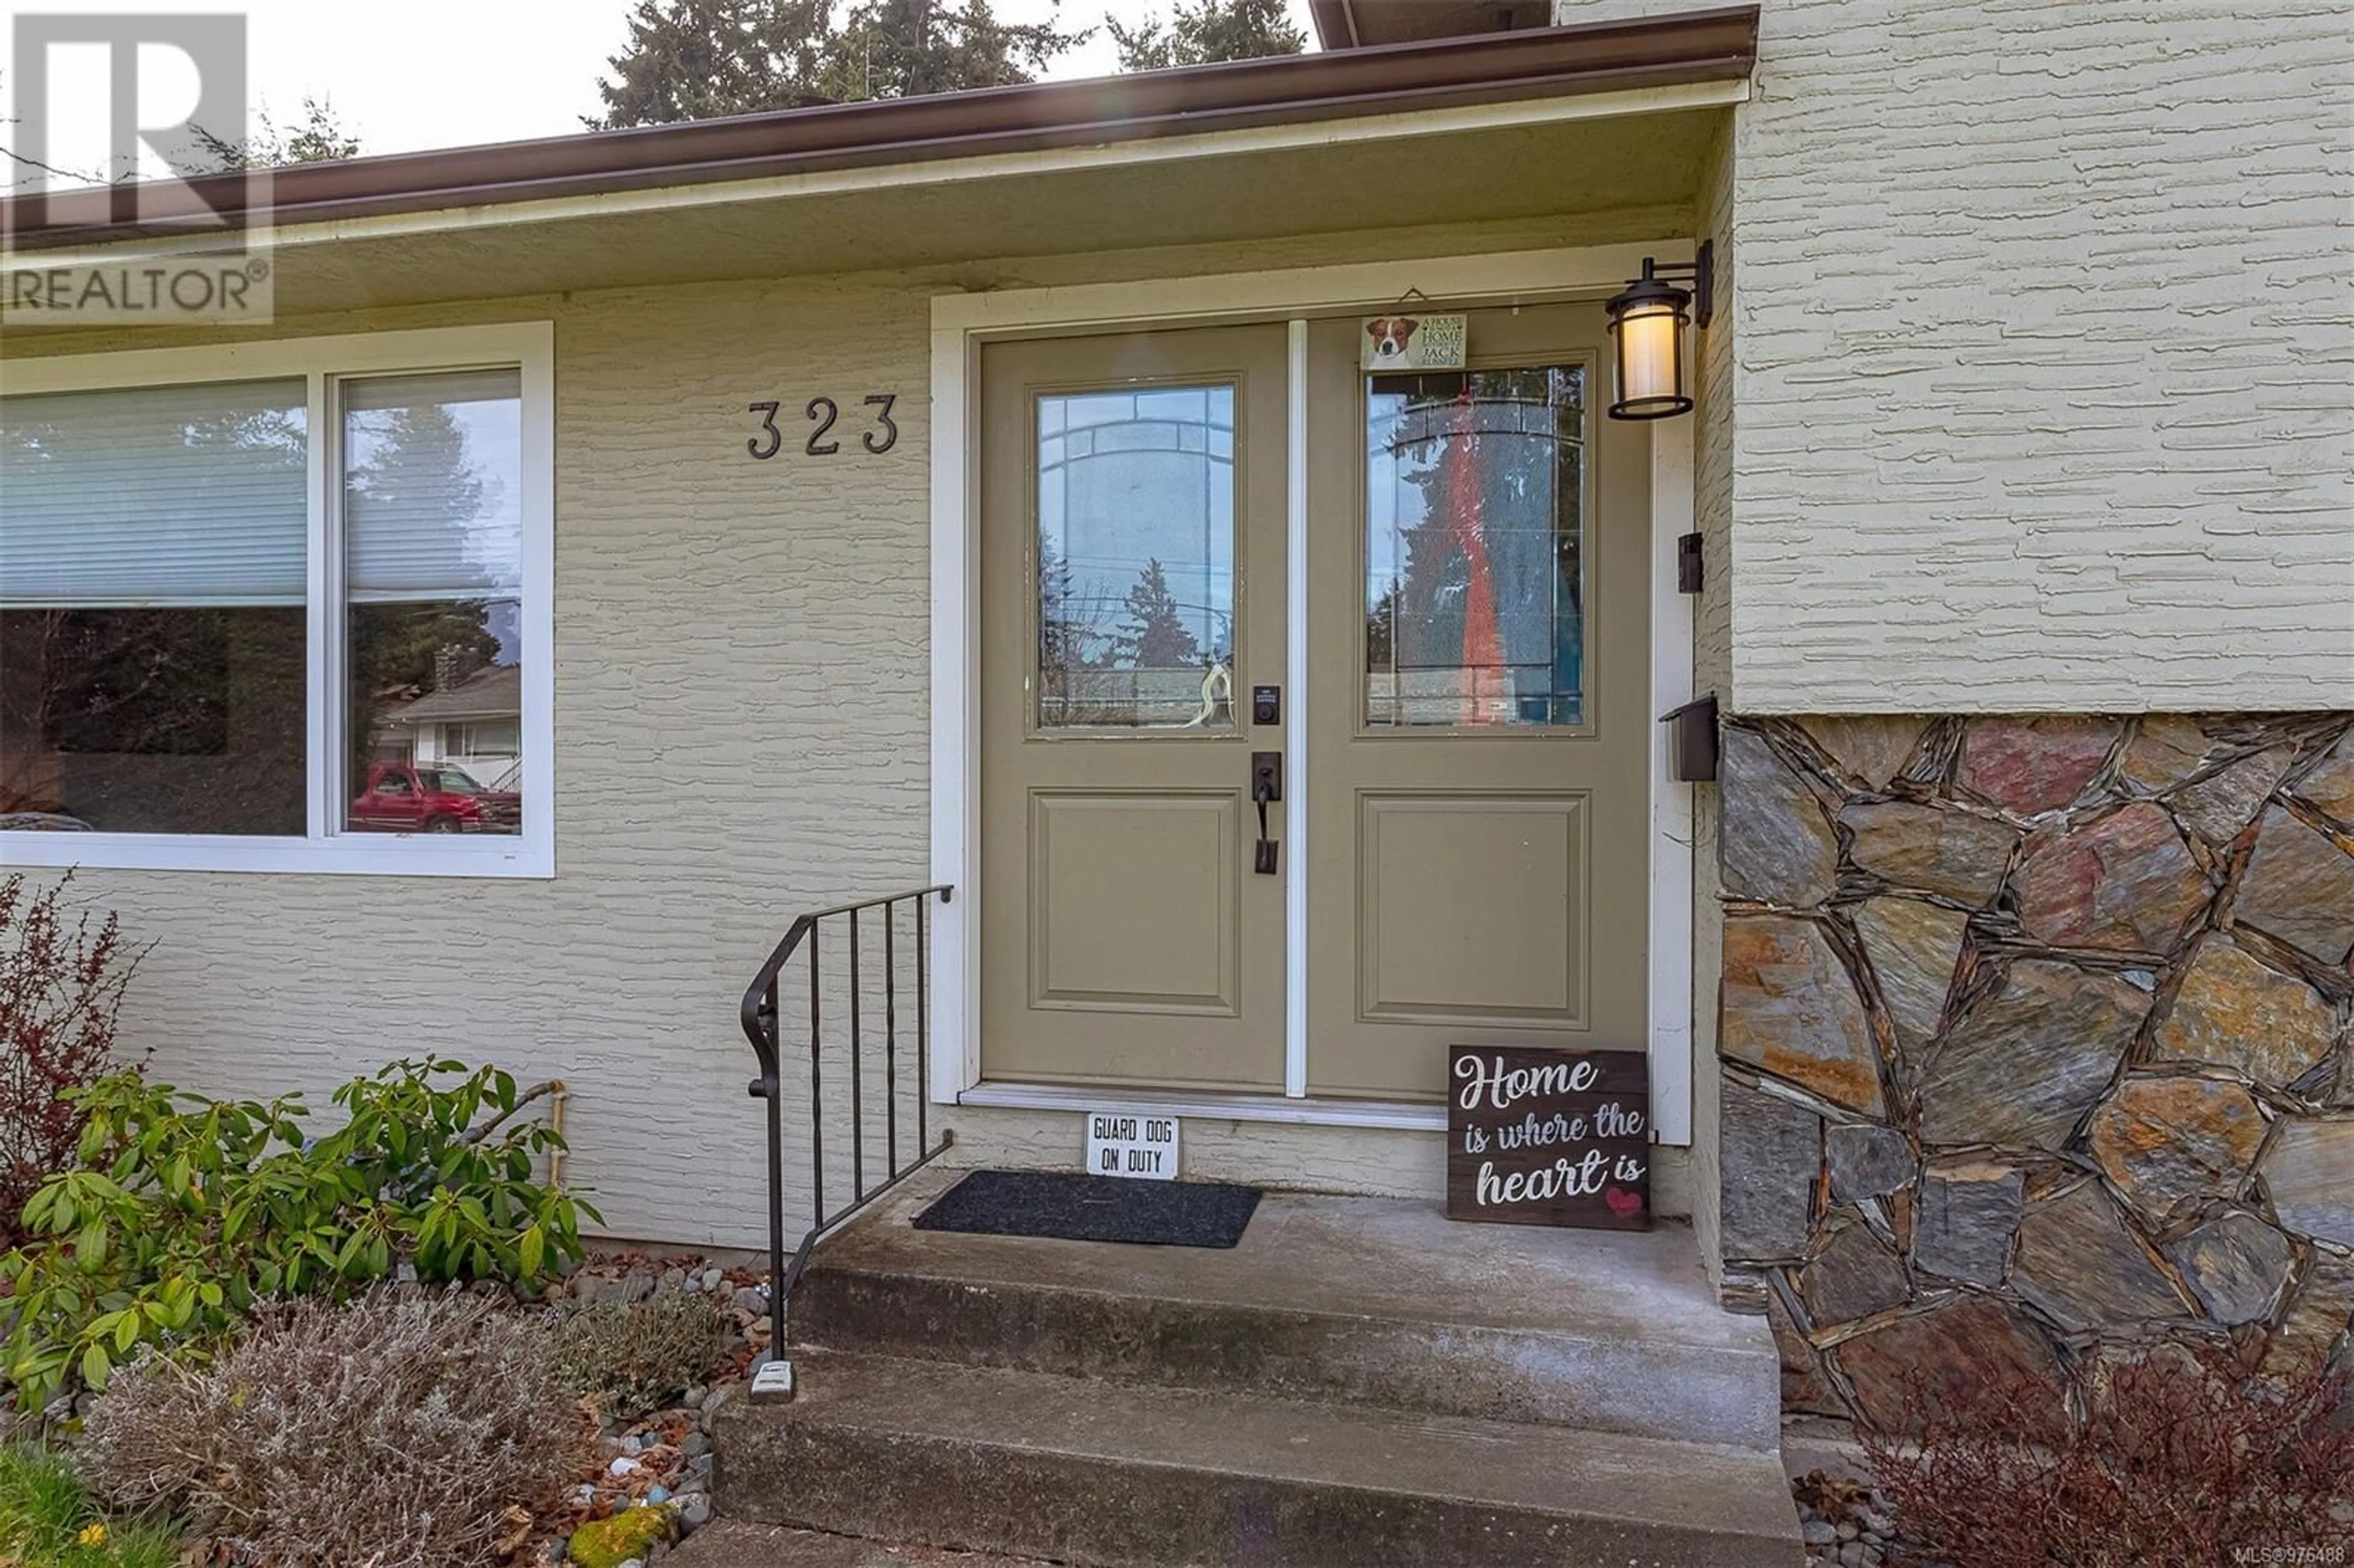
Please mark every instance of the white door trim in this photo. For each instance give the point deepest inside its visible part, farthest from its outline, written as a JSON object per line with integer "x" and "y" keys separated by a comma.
{"x": 961, "y": 322}
{"x": 1295, "y": 716}
{"x": 1670, "y": 1010}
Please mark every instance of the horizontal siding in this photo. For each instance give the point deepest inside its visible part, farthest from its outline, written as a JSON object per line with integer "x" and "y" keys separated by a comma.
{"x": 2044, "y": 361}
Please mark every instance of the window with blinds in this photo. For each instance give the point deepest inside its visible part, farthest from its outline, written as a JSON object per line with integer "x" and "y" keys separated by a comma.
{"x": 154, "y": 646}
{"x": 180, "y": 572}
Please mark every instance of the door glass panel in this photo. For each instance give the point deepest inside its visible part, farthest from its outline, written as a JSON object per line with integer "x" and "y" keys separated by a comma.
{"x": 1475, "y": 559}
{"x": 1136, "y": 558}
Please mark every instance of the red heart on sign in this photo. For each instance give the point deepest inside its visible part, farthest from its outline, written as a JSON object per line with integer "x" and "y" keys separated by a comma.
{"x": 1625, "y": 1205}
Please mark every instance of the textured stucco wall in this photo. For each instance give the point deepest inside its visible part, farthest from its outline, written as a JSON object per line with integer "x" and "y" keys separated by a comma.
{"x": 741, "y": 687}
{"x": 741, "y": 708}
{"x": 2044, "y": 372}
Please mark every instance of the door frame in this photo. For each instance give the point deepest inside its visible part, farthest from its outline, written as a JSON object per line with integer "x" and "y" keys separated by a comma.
{"x": 960, "y": 323}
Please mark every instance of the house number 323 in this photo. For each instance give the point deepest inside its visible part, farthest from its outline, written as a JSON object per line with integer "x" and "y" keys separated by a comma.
{"x": 822, "y": 414}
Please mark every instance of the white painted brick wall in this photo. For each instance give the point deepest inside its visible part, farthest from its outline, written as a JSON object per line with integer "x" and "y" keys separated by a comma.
{"x": 2044, "y": 355}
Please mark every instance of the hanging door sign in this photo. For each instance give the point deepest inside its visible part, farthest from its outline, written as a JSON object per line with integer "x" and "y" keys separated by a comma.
{"x": 1407, "y": 342}
{"x": 1549, "y": 1138}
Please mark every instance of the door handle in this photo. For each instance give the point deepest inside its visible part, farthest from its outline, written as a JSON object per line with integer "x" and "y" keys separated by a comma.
{"x": 1267, "y": 776}
{"x": 1267, "y": 788}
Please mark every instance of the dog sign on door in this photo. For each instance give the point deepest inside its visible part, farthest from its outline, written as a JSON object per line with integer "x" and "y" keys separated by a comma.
{"x": 1121, "y": 1144}
{"x": 1396, "y": 342}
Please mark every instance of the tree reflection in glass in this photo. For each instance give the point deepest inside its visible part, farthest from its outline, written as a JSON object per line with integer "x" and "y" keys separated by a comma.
{"x": 1136, "y": 537}
{"x": 433, "y": 559}
{"x": 1475, "y": 609}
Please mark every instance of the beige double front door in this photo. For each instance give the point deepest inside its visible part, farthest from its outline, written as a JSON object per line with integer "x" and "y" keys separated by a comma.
{"x": 1467, "y": 755}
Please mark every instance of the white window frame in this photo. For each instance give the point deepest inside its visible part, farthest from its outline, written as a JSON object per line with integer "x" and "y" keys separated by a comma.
{"x": 322, "y": 362}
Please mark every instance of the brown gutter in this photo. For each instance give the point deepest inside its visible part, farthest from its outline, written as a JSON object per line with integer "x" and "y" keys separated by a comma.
{"x": 1701, "y": 46}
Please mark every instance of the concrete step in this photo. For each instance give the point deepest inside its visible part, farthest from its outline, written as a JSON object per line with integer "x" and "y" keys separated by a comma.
{"x": 1359, "y": 1300}
{"x": 733, "y": 1543}
{"x": 1111, "y": 1474}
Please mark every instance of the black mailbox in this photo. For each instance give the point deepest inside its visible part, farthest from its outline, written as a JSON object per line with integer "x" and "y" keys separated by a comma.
{"x": 1692, "y": 741}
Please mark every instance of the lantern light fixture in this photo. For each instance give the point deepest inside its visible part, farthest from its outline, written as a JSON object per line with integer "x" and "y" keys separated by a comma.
{"x": 1647, "y": 333}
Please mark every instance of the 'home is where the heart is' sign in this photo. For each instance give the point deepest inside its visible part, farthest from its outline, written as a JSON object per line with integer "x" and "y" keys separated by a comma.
{"x": 1549, "y": 1138}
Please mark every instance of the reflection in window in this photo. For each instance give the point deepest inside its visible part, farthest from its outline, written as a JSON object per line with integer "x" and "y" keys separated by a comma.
{"x": 153, "y": 574}
{"x": 433, "y": 563}
{"x": 1475, "y": 610}
{"x": 1136, "y": 558}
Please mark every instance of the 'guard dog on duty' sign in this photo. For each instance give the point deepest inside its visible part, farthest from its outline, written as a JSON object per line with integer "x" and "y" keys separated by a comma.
{"x": 1122, "y": 1144}
{"x": 1549, "y": 1138}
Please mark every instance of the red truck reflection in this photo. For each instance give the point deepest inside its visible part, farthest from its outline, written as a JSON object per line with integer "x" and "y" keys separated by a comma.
{"x": 431, "y": 799}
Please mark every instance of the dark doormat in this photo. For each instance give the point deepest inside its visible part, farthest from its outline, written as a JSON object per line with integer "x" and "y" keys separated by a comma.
{"x": 1066, "y": 1206}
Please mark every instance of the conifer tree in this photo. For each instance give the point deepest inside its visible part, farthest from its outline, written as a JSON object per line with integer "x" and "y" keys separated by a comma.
{"x": 1156, "y": 637}
{"x": 1208, "y": 30}
{"x": 317, "y": 138}
{"x": 698, "y": 59}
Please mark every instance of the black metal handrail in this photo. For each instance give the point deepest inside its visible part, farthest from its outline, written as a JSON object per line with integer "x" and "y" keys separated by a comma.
{"x": 763, "y": 1026}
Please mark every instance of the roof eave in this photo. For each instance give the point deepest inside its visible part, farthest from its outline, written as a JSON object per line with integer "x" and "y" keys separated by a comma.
{"x": 1694, "y": 47}
{"x": 1335, "y": 21}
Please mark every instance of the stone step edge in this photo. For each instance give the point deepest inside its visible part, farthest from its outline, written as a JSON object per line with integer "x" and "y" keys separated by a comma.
{"x": 815, "y": 1366}
{"x": 819, "y": 1267}
{"x": 1723, "y": 1362}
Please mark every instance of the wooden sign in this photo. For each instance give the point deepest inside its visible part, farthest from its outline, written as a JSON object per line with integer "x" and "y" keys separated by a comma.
{"x": 1549, "y": 1138}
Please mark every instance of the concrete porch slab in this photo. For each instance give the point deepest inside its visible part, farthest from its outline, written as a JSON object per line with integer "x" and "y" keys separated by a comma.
{"x": 1390, "y": 1257}
{"x": 1352, "y": 1299}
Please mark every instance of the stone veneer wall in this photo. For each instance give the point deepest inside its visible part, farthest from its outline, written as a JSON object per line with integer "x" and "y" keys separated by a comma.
{"x": 2035, "y": 1035}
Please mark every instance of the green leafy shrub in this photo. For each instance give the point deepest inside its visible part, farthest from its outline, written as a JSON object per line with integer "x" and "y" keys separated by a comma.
{"x": 636, "y": 1358}
{"x": 187, "y": 1212}
{"x": 395, "y": 1431}
{"x": 48, "y": 1520}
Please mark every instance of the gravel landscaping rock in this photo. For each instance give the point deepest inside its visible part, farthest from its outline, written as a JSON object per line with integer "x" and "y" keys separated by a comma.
{"x": 660, "y": 1465}
{"x": 1843, "y": 1522}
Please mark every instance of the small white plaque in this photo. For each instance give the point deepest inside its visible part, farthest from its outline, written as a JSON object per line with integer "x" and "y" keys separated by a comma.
{"x": 772, "y": 1382}
{"x": 1395, "y": 342}
{"x": 1121, "y": 1143}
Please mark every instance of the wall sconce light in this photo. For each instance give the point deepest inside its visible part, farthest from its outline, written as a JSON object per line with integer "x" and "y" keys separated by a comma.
{"x": 1646, "y": 332}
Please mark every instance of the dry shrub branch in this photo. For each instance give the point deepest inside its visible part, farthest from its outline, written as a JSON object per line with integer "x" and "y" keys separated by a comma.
{"x": 2176, "y": 1456}
{"x": 62, "y": 976}
{"x": 395, "y": 1432}
{"x": 634, "y": 1359}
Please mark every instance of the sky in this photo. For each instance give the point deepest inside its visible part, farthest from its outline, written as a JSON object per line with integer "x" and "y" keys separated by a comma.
{"x": 414, "y": 74}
